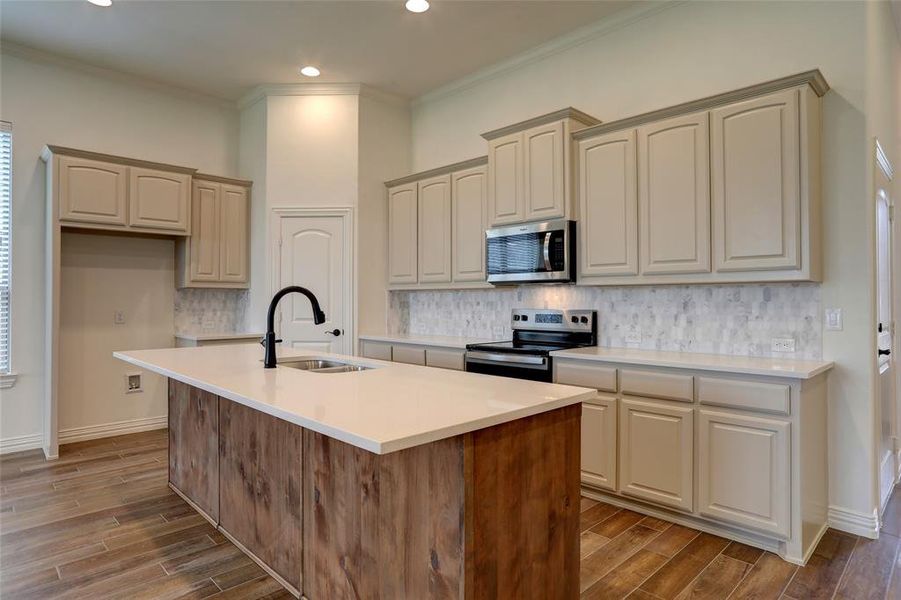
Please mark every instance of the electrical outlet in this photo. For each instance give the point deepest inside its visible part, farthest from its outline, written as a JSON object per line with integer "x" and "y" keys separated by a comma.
{"x": 833, "y": 319}
{"x": 782, "y": 344}
{"x": 119, "y": 317}
{"x": 633, "y": 337}
{"x": 133, "y": 383}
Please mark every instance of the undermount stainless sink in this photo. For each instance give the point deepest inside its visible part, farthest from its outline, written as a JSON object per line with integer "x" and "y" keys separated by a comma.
{"x": 321, "y": 365}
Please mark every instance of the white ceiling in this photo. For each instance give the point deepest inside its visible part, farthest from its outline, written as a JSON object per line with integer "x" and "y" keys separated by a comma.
{"x": 224, "y": 48}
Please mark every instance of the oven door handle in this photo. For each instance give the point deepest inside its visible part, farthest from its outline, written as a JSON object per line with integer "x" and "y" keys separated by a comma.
{"x": 495, "y": 358}
{"x": 547, "y": 251}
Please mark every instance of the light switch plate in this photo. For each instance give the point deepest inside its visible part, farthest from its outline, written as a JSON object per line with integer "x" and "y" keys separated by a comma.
{"x": 833, "y": 319}
{"x": 119, "y": 317}
{"x": 782, "y": 344}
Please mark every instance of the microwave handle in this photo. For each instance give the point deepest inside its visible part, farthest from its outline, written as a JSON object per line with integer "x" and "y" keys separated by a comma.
{"x": 547, "y": 251}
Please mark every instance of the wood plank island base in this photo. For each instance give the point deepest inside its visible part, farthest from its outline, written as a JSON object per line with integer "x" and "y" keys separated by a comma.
{"x": 489, "y": 512}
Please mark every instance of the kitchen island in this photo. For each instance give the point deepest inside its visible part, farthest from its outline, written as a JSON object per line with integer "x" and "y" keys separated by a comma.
{"x": 394, "y": 481}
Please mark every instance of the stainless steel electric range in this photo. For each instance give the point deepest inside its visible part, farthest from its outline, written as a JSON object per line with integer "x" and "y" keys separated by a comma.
{"x": 536, "y": 333}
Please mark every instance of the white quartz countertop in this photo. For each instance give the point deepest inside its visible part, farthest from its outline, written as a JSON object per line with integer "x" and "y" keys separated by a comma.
{"x": 771, "y": 367}
{"x": 438, "y": 341}
{"x": 390, "y": 407}
{"x": 204, "y": 337}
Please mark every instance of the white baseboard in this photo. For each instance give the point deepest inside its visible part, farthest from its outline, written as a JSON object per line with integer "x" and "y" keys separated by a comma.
{"x": 93, "y": 432}
{"x": 21, "y": 442}
{"x": 852, "y": 521}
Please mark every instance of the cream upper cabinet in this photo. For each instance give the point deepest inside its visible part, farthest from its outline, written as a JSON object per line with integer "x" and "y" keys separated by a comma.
{"x": 435, "y": 229}
{"x": 92, "y": 191}
{"x": 530, "y": 168}
{"x": 506, "y": 203}
{"x": 756, "y": 184}
{"x": 234, "y": 219}
{"x": 217, "y": 253}
{"x": 656, "y": 452}
{"x": 469, "y": 191}
{"x": 206, "y": 226}
{"x": 674, "y": 195}
{"x": 608, "y": 200}
{"x": 159, "y": 199}
{"x": 544, "y": 188}
{"x": 599, "y": 442}
{"x": 402, "y": 234}
{"x": 744, "y": 470}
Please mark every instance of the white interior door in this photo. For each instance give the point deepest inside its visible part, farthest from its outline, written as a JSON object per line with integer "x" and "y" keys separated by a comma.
{"x": 888, "y": 430}
{"x": 313, "y": 252}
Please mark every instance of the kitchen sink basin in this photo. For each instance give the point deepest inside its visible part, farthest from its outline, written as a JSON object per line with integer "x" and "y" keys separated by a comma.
{"x": 321, "y": 365}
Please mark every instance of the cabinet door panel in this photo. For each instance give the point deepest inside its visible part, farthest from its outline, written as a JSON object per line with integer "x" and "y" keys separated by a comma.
{"x": 435, "y": 229}
{"x": 411, "y": 355}
{"x": 91, "y": 191}
{"x": 469, "y": 197}
{"x": 655, "y": 452}
{"x": 158, "y": 199}
{"x": 377, "y": 350}
{"x": 505, "y": 180}
{"x": 744, "y": 470}
{"x": 261, "y": 474}
{"x": 234, "y": 221}
{"x": 674, "y": 195}
{"x": 543, "y": 172}
{"x": 608, "y": 196}
{"x": 194, "y": 445}
{"x": 205, "y": 231}
{"x": 402, "y": 234}
{"x": 599, "y": 442}
{"x": 756, "y": 184}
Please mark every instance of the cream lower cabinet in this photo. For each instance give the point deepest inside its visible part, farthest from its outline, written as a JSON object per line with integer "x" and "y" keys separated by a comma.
{"x": 414, "y": 354}
{"x": 743, "y": 470}
{"x": 599, "y": 442}
{"x": 216, "y": 255}
{"x": 656, "y": 456}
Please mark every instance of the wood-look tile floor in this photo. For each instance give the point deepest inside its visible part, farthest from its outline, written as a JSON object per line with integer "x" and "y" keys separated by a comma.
{"x": 101, "y": 523}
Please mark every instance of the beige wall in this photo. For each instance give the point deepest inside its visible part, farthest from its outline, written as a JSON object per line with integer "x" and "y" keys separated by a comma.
{"x": 68, "y": 106}
{"x": 384, "y": 155}
{"x": 639, "y": 61}
{"x": 101, "y": 274}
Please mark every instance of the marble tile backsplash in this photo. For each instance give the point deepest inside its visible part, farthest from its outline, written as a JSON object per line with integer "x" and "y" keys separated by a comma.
{"x": 210, "y": 311}
{"x": 721, "y": 319}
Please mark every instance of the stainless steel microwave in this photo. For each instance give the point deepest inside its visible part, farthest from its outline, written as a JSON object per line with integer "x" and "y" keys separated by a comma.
{"x": 532, "y": 253}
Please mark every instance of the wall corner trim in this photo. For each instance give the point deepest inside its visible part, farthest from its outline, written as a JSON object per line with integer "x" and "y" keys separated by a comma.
{"x": 855, "y": 522}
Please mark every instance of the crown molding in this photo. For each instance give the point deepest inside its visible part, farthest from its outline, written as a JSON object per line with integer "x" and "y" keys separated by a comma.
{"x": 318, "y": 89}
{"x": 458, "y": 166}
{"x": 49, "y": 58}
{"x": 562, "y": 43}
{"x": 813, "y": 78}
{"x": 558, "y": 115}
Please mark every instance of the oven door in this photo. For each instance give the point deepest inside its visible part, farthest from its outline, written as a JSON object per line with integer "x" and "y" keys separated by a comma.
{"x": 519, "y": 366}
{"x": 532, "y": 252}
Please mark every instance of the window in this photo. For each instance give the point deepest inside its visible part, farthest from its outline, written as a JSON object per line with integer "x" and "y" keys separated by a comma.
{"x": 6, "y": 173}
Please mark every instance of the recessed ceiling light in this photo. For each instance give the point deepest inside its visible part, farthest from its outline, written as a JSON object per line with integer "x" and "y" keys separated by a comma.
{"x": 101, "y": 2}
{"x": 310, "y": 71}
{"x": 417, "y": 6}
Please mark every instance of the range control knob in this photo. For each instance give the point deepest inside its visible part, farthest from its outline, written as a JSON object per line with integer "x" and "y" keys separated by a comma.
{"x": 584, "y": 319}
{"x": 516, "y": 317}
{"x": 574, "y": 319}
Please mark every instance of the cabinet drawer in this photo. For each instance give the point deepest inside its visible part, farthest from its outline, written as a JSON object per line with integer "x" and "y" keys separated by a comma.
{"x": 751, "y": 395}
{"x": 585, "y": 375}
{"x": 444, "y": 359}
{"x": 670, "y": 386}
{"x": 376, "y": 350}
{"x": 412, "y": 355}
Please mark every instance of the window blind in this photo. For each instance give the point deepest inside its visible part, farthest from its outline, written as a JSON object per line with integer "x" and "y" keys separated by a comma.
{"x": 6, "y": 173}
